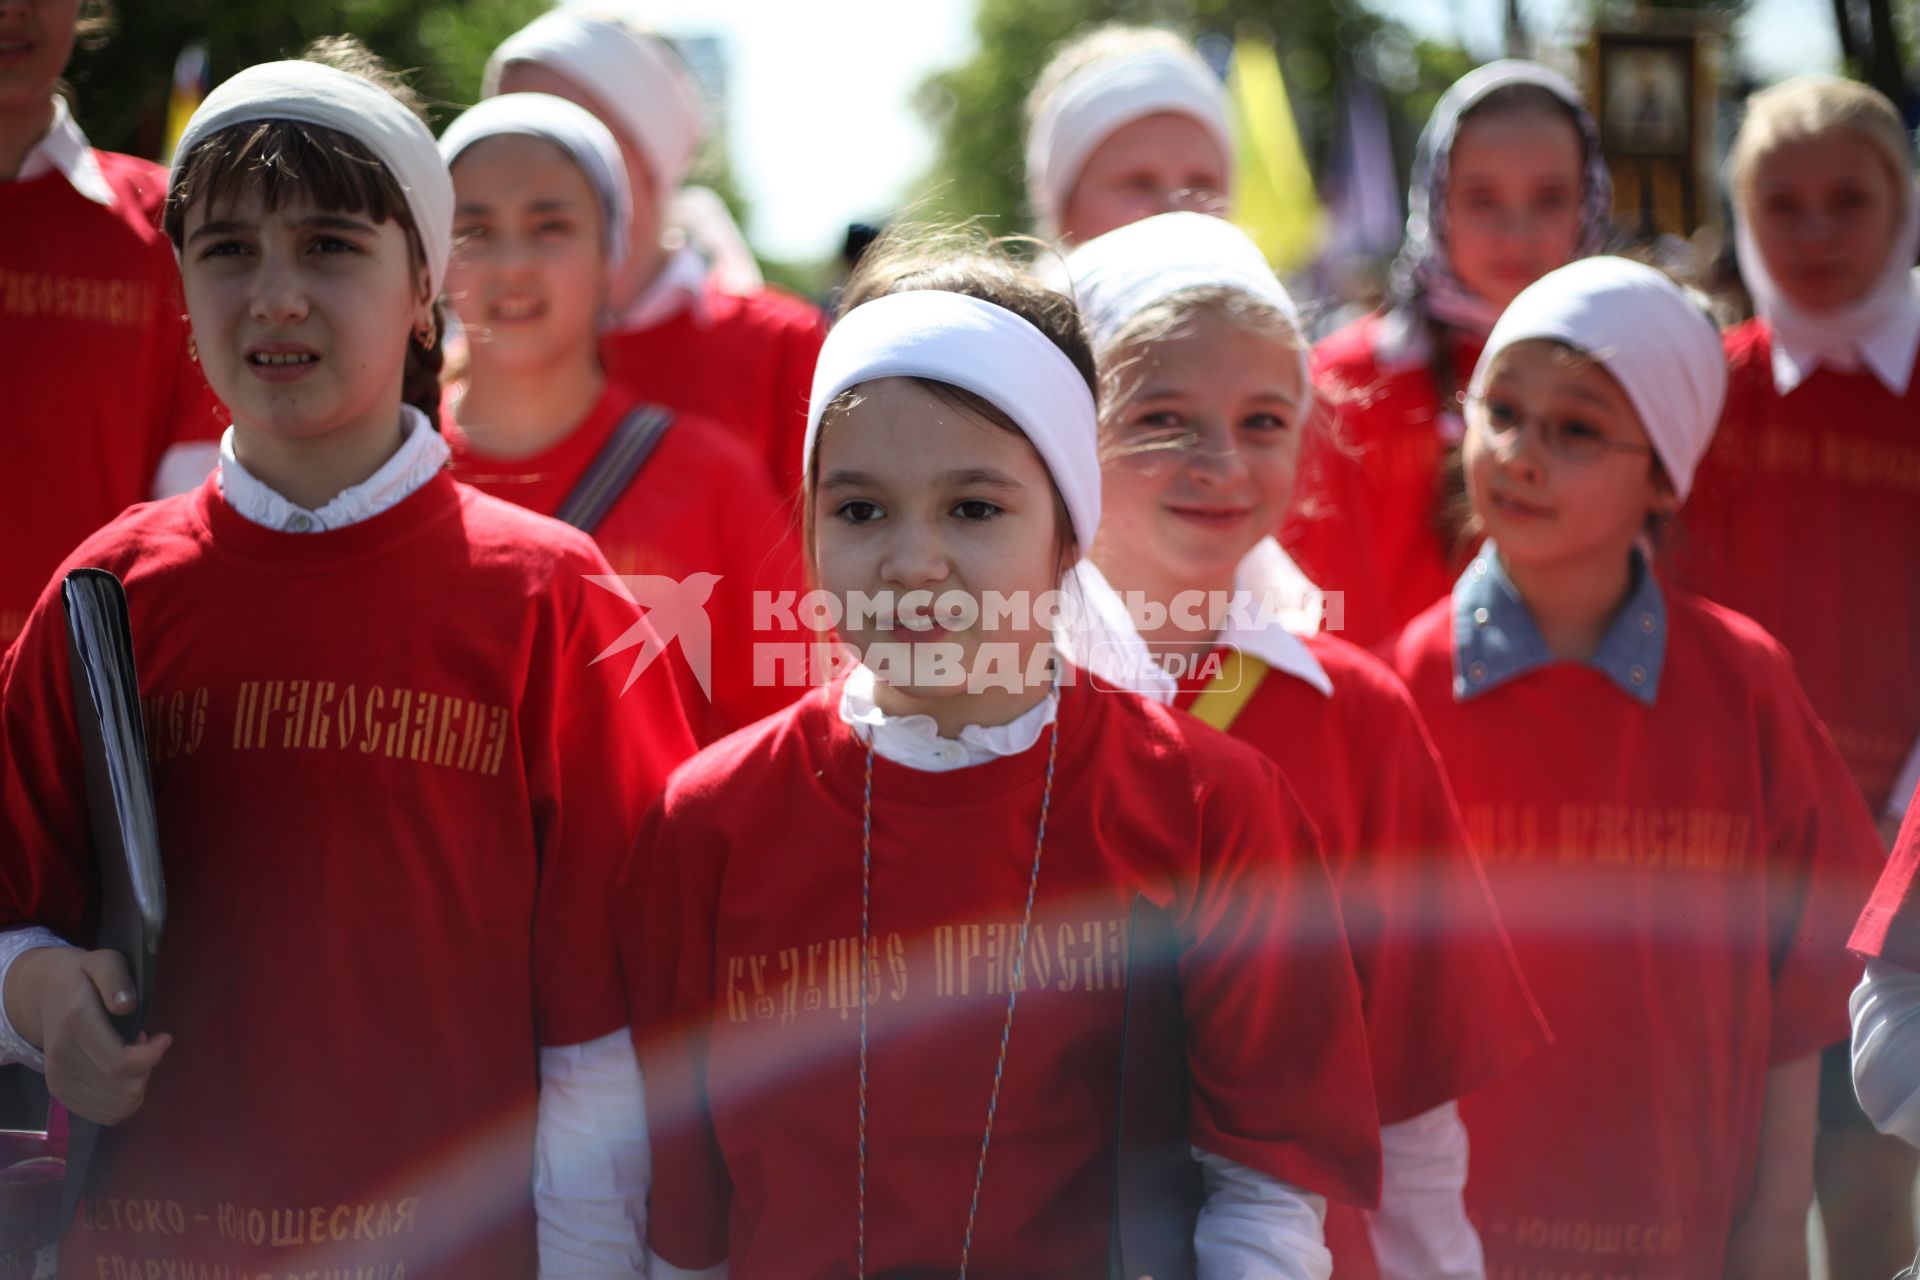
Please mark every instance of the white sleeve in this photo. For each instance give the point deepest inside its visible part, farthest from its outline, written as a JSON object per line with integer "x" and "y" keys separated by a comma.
{"x": 14, "y": 943}
{"x": 184, "y": 467}
{"x": 590, "y": 1161}
{"x": 659, "y": 1268}
{"x": 1256, "y": 1227}
{"x": 1905, "y": 785}
{"x": 1886, "y": 1048}
{"x": 1420, "y": 1231}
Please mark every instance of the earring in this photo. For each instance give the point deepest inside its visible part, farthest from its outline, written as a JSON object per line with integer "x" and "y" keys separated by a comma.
{"x": 427, "y": 337}
{"x": 193, "y": 348}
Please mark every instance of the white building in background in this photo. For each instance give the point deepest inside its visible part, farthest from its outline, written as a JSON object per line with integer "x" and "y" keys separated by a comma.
{"x": 706, "y": 55}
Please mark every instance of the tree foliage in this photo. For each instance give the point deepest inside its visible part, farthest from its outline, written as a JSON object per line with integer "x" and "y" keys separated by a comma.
{"x": 121, "y": 87}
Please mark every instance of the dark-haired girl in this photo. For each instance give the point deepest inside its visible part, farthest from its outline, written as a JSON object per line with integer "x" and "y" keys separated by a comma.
{"x": 879, "y": 940}
{"x": 392, "y": 784}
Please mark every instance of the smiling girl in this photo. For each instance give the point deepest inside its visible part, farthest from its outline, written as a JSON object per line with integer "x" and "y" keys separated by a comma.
{"x": 878, "y": 942}
{"x": 1204, "y": 368}
{"x": 737, "y": 353}
{"x": 1508, "y": 183}
{"x": 392, "y": 784}
{"x": 1675, "y": 847}
{"x": 540, "y": 224}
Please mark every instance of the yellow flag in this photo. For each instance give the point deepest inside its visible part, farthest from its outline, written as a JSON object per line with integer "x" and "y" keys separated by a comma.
{"x": 1274, "y": 200}
{"x": 189, "y": 87}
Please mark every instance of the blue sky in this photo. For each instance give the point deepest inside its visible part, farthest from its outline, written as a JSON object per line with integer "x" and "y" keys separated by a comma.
{"x": 824, "y": 132}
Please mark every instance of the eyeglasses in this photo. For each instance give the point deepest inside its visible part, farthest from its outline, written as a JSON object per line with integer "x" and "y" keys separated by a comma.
{"x": 1568, "y": 438}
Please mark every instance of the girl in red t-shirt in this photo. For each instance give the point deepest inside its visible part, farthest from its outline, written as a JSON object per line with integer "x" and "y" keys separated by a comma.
{"x": 879, "y": 942}
{"x": 541, "y": 211}
{"x": 1508, "y": 183}
{"x": 1675, "y": 847}
{"x": 689, "y": 325}
{"x": 1206, "y": 377}
{"x": 393, "y": 782}
{"x": 1807, "y": 512}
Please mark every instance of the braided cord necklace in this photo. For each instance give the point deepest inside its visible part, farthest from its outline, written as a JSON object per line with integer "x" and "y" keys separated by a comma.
{"x": 1013, "y": 995}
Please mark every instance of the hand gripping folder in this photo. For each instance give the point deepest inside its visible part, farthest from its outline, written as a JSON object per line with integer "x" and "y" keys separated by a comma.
{"x": 130, "y": 887}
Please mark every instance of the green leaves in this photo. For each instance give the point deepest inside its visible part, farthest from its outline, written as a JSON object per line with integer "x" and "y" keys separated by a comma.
{"x": 121, "y": 88}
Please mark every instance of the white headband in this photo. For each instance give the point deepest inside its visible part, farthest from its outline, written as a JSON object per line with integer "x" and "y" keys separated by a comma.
{"x": 1649, "y": 335}
{"x": 1118, "y": 275}
{"x": 643, "y": 85}
{"x": 982, "y": 348}
{"x": 1101, "y": 98}
{"x": 575, "y": 130}
{"x": 309, "y": 93}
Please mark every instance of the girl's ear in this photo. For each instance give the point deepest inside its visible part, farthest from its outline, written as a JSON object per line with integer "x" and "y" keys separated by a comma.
{"x": 423, "y": 290}
{"x": 1666, "y": 499}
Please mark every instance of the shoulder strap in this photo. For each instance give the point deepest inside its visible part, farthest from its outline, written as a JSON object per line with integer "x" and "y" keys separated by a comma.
{"x": 615, "y": 466}
{"x": 1232, "y": 687}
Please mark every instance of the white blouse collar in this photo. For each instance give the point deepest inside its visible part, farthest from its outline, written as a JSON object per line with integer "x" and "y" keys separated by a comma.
{"x": 64, "y": 149}
{"x": 421, "y": 456}
{"x": 680, "y": 285}
{"x": 1887, "y": 352}
{"x": 1274, "y": 603}
{"x": 915, "y": 741}
{"x": 1285, "y": 605}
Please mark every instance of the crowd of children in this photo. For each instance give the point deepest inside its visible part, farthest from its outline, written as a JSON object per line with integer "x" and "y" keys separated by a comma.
{"x": 650, "y": 785}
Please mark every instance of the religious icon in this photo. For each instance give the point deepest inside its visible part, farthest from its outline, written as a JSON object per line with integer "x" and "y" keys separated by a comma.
{"x": 1646, "y": 96}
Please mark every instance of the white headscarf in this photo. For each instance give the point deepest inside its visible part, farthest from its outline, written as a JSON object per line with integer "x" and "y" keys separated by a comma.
{"x": 312, "y": 94}
{"x": 636, "y": 76}
{"x": 1114, "y": 277}
{"x": 1646, "y": 332}
{"x": 1424, "y": 268}
{"x": 576, "y": 131}
{"x": 1890, "y": 309}
{"x": 1093, "y": 103}
{"x": 978, "y": 347}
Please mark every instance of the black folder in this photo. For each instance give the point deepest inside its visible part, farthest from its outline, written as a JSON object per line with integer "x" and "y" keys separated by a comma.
{"x": 1158, "y": 1190}
{"x": 130, "y": 887}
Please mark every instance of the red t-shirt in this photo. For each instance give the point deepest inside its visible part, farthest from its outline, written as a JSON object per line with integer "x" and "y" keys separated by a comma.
{"x": 1446, "y": 1007}
{"x": 744, "y": 361}
{"x": 393, "y": 793}
{"x": 1368, "y": 495}
{"x": 93, "y": 356}
{"x": 1889, "y": 928}
{"x": 1805, "y": 515}
{"x": 1678, "y": 881}
{"x": 744, "y": 933}
{"x": 700, "y": 504}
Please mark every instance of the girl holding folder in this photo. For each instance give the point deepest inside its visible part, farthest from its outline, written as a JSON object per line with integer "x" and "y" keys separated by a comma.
{"x": 392, "y": 783}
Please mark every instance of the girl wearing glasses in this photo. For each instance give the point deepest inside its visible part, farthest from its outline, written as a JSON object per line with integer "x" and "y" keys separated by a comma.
{"x": 1675, "y": 847}
{"x": 1508, "y": 183}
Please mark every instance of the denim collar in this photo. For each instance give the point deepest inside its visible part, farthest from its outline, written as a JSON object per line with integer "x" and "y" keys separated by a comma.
{"x": 1496, "y": 640}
